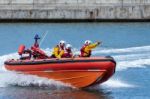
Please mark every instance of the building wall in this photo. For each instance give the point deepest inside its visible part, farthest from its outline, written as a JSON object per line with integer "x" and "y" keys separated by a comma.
{"x": 75, "y": 9}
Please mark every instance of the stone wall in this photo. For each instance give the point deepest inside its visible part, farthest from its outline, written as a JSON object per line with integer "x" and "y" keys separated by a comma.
{"x": 74, "y": 9}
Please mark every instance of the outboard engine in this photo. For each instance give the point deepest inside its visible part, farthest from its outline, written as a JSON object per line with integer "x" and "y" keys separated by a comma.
{"x": 21, "y": 49}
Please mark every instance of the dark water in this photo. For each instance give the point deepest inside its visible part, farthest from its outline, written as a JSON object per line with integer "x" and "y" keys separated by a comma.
{"x": 128, "y": 43}
{"x": 45, "y": 93}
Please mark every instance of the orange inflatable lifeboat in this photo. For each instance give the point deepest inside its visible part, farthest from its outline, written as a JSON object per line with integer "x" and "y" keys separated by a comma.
{"x": 79, "y": 72}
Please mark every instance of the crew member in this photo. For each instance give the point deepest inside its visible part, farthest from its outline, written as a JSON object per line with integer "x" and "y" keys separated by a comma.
{"x": 68, "y": 51}
{"x": 86, "y": 50}
{"x": 59, "y": 50}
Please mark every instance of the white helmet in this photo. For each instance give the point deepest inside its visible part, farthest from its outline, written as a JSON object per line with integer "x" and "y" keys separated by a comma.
{"x": 68, "y": 46}
{"x": 62, "y": 42}
{"x": 87, "y": 42}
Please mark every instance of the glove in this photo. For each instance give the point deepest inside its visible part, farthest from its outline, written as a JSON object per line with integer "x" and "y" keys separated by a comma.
{"x": 98, "y": 43}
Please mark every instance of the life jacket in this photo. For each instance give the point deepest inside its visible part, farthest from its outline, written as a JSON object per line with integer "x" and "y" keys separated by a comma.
{"x": 67, "y": 54}
{"x": 84, "y": 53}
{"x": 59, "y": 50}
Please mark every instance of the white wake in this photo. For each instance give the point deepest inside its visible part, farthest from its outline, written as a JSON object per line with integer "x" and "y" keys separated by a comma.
{"x": 116, "y": 83}
{"x": 12, "y": 78}
{"x": 123, "y": 50}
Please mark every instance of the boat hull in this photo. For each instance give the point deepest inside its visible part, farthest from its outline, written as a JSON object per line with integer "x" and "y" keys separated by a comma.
{"x": 76, "y": 78}
{"x": 79, "y": 72}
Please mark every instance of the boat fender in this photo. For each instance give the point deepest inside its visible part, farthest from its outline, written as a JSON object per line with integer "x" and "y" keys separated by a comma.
{"x": 21, "y": 49}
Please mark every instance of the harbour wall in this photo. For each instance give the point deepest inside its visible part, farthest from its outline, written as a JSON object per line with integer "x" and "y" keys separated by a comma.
{"x": 74, "y": 10}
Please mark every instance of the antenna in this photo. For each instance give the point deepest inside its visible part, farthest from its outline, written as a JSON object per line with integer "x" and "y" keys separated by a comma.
{"x": 43, "y": 38}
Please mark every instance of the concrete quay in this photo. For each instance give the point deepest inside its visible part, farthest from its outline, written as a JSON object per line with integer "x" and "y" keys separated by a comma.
{"x": 74, "y": 10}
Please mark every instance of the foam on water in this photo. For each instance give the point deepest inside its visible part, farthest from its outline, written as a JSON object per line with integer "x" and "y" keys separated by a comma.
{"x": 123, "y": 50}
{"x": 131, "y": 56}
{"x": 139, "y": 63}
{"x": 12, "y": 78}
{"x": 116, "y": 83}
{"x": 134, "y": 57}
{"x": 6, "y": 57}
{"x": 113, "y": 84}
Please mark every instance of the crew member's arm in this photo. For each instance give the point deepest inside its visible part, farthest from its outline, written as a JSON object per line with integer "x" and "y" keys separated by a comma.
{"x": 91, "y": 46}
{"x": 56, "y": 50}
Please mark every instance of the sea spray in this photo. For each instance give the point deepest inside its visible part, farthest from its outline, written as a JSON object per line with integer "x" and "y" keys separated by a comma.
{"x": 13, "y": 78}
{"x": 7, "y": 57}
